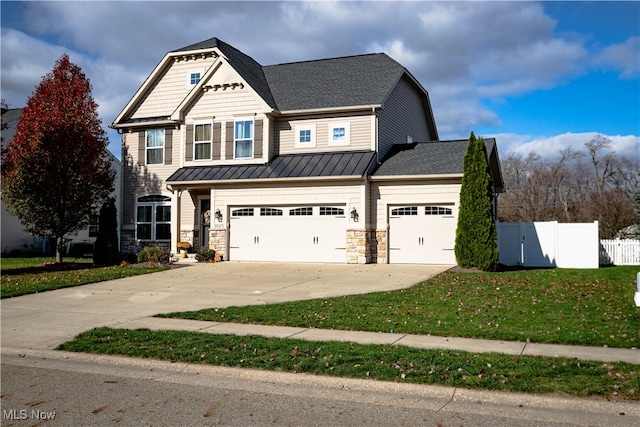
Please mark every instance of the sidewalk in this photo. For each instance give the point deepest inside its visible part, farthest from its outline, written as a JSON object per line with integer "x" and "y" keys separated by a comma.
{"x": 602, "y": 354}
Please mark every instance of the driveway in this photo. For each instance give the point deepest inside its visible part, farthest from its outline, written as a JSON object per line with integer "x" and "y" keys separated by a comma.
{"x": 44, "y": 320}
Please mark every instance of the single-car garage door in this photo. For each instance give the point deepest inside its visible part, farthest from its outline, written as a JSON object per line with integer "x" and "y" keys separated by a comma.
{"x": 422, "y": 234}
{"x": 288, "y": 233}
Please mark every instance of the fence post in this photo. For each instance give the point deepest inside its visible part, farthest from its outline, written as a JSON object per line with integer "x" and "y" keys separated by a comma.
{"x": 636, "y": 298}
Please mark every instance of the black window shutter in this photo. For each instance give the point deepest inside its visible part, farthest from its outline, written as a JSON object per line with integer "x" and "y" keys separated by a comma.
{"x": 188, "y": 150}
{"x": 228, "y": 148}
{"x": 168, "y": 142}
{"x": 217, "y": 140}
{"x": 257, "y": 139}
{"x": 142, "y": 148}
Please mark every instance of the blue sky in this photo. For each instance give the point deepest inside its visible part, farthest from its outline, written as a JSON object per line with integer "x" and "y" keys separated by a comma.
{"x": 538, "y": 76}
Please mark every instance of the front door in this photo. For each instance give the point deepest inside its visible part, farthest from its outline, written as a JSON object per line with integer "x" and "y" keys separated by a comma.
{"x": 205, "y": 222}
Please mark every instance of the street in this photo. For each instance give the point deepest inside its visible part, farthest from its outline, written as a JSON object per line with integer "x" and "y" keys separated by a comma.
{"x": 49, "y": 388}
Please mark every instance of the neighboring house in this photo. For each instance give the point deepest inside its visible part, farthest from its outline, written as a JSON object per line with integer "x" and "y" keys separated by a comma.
{"x": 13, "y": 238}
{"x": 333, "y": 160}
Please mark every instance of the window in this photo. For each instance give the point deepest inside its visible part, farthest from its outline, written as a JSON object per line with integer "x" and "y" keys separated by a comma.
{"x": 327, "y": 210}
{"x": 154, "y": 151}
{"x": 153, "y": 218}
{"x": 270, "y": 212}
{"x": 437, "y": 210}
{"x": 93, "y": 224}
{"x": 194, "y": 78}
{"x": 242, "y": 212}
{"x": 301, "y": 211}
{"x": 305, "y": 136}
{"x": 202, "y": 141}
{"x": 339, "y": 134}
{"x": 243, "y": 139}
{"x": 409, "y": 210}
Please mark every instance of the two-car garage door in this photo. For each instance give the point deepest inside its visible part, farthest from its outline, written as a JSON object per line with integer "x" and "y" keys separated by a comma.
{"x": 422, "y": 234}
{"x": 288, "y": 233}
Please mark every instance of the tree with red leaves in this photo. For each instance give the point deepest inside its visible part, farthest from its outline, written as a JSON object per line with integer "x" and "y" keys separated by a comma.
{"x": 56, "y": 169}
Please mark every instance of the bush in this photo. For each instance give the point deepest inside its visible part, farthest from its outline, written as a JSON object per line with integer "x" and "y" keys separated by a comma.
{"x": 106, "y": 251}
{"x": 206, "y": 255}
{"x": 154, "y": 254}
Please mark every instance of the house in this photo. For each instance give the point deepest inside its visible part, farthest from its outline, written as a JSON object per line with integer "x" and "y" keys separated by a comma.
{"x": 333, "y": 160}
{"x": 15, "y": 238}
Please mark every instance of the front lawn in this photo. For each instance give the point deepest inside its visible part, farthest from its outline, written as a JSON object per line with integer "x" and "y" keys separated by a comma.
{"x": 488, "y": 371}
{"x": 21, "y": 276}
{"x": 563, "y": 306}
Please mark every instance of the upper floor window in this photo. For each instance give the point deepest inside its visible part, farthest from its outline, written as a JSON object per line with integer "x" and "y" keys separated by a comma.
{"x": 306, "y": 136}
{"x": 243, "y": 139}
{"x": 202, "y": 141}
{"x": 194, "y": 78}
{"x": 154, "y": 150}
{"x": 153, "y": 218}
{"x": 339, "y": 134}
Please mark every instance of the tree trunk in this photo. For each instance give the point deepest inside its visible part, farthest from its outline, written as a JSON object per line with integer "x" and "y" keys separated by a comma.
{"x": 59, "y": 248}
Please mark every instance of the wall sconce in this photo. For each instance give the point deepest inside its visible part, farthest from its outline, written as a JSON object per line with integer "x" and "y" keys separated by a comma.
{"x": 218, "y": 215}
{"x": 354, "y": 215}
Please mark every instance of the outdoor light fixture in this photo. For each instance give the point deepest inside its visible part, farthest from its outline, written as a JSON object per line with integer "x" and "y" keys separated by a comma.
{"x": 218, "y": 215}
{"x": 354, "y": 215}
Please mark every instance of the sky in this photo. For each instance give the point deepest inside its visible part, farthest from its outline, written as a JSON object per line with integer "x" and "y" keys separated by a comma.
{"x": 537, "y": 76}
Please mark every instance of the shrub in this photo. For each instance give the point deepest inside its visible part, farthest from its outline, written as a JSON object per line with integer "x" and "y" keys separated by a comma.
{"x": 206, "y": 255}
{"x": 154, "y": 254}
{"x": 106, "y": 251}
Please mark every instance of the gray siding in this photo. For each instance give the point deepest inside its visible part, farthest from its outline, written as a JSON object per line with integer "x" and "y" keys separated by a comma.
{"x": 403, "y": 114}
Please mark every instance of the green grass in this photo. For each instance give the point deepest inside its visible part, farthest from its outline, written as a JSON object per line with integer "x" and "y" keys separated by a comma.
{"x": 581, "y": 307}
{"x": 21, "y": 276}
{"x": 379, "y": 362}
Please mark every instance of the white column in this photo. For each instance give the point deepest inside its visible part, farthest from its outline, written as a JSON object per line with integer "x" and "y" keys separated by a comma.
{"x": 175, "y": 220}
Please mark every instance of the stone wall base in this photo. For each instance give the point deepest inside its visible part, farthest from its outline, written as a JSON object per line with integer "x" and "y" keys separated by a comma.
{"x": 218, "y": 241}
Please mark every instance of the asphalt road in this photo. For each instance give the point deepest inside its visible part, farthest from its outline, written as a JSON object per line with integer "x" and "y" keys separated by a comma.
{"x": 47, "y": 388}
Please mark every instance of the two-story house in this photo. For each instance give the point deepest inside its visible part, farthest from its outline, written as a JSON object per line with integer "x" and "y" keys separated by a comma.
{"x": 333, "y": 160}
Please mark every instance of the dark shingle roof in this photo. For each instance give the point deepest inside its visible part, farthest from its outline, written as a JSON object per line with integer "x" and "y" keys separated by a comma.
{"x": 350, "y": 163}
{"x": 245, "y": 65}
{"x": 325, "y": 83}
{"x": 334, "y": 82}
{"x": 427, "y": 158}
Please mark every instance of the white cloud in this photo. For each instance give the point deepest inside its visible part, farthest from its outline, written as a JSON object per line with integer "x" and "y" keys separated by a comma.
{"x": 550, "y": 146}
{"x": 622, "y": 57}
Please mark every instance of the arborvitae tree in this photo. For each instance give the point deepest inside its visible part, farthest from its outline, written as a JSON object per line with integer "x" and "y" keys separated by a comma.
{"x": 476, "y": 235}
{"x": 56, "y": 167}
{"x": 105, "y": 251}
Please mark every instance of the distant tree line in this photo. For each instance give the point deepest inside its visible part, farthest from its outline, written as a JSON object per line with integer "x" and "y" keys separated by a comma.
{"x": 591, "y": 184}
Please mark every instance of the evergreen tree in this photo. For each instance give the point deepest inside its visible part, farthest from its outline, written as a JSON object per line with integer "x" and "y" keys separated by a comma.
{"x": 56, "y": 167}
{"x": 105, "y": 251}
{"x": 476, "y": 236}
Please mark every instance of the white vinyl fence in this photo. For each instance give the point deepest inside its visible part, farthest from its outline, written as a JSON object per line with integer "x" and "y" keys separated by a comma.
{"x": 549, "y": 244}
{"x": 620, "y": 252}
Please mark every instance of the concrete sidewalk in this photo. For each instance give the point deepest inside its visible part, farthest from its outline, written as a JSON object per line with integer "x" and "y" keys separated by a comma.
{"x": 45, "y": 320}
{"x": 602, "y": 354}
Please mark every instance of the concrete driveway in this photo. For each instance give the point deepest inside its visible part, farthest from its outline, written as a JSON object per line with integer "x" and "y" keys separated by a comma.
{"x": 47, "y": 319}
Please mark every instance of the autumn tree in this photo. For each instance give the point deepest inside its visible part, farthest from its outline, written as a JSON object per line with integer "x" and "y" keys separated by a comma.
{"x": 56, "y": 168}
{"x": 476, "y": 242}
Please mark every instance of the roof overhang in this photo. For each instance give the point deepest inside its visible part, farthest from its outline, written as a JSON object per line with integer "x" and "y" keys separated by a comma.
{"x": 348, "y": 109}
{"x": 416, "y": 177}
{"x": 206, "y": 184}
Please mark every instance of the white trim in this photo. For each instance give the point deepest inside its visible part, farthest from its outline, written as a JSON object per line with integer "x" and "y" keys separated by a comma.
{"x": 414, "y": 177}
{"x": 344, "y": 139}
{"x": 311, "y": 127}
{"x": 253, "y": 136}
{"x": 161, "y": 148}
{"x": 195, "y": 124}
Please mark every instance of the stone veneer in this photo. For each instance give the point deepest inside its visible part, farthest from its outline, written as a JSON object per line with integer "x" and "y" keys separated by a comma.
{"x": 218, "y": 241}
{"x": 361, "y": 246}
{"x": 381, "y": 246}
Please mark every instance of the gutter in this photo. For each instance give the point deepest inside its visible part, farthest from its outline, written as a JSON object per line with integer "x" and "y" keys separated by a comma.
{"x": 414, "y": 177}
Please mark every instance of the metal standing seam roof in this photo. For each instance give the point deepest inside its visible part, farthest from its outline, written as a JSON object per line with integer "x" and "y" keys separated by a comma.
{"x": 308, "y": 165}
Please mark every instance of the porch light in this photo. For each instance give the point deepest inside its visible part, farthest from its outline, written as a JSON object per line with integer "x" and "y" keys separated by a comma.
{"x": 354, "y": 215}
{"x": 218, "y": 215}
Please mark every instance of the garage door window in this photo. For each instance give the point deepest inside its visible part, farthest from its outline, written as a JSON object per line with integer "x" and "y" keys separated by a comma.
{"x": 437, "y": 210}
{"x": 270, "y": 212}
{"x": 408, "y": 210}
{"x": 242, "y": 212}
{"x": 327, "y": 210}
{"x": 301, "y": 211}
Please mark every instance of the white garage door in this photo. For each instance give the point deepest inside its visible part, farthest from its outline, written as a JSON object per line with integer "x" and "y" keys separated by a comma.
{"x": 292, "y": 233}
{"x": 422, "y": 234}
